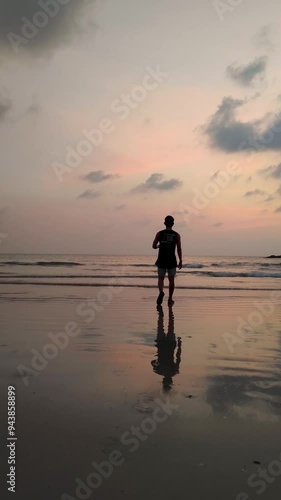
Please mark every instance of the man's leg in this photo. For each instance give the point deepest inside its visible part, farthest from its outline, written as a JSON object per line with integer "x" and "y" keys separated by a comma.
{"x": 171, "y": 287}
{"x": 161, "y": 277}
{"x": 171, "y": 276}
{"x": 160, "y": 283}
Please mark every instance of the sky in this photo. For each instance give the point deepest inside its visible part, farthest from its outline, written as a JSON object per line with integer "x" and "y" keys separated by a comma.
{"x": 116, "y": 114}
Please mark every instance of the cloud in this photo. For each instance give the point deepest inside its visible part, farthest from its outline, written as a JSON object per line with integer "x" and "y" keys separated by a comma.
{"x": 271, "y": 197}
{"x": 218, "y": 224}
{"x": 5, "y": 102}
{"x": 223, "y": 130}
{"x": 230, "y": 135}
{"x": 246, "y": 74}
{"x": 274, "y": 195}
{"x": 60, "y": 24}
{"x": 262, "y": 40}
{"x": 35, "y": 106}
{"x": 119, "y": 207}
{"x": 255, "y": 192}
{"x": 278, "y": 210}
{"x": 214, "y": 175}
{"x": 273, "y": 171}
{"x": 89, "y": 194}
{"x": 99, "y": 176}
{"x": 155, "y": 183}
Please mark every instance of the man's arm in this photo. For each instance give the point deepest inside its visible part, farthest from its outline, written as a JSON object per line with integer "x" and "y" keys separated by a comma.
{"x": 179, "y": 250}
{"x": 156, "y": 241}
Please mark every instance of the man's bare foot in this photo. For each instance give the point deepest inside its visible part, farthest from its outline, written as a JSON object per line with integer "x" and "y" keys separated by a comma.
{"x": 160, "y": 298}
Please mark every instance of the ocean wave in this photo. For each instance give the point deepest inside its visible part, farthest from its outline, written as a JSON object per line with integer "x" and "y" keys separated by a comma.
{"x": 229, "y": 274}
{"x": 39, "y": 263}
{"x": 229, "y": 264}
{"x": 270, "y": 264}
{"x": 129, "y": 285}
{"x": 77, "y": 276}
{"x": 132, "y": 265}
{"x": 246, "y": 263}
{"x": 116, "y": 276}
{"x": 192, "y": 266}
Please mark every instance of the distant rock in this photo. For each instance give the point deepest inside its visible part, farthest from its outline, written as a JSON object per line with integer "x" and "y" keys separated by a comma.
{"x": 274, "y": 257}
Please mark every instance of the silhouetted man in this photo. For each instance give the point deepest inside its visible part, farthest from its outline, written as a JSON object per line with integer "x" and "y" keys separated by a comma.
{"x": 167, "y": 240}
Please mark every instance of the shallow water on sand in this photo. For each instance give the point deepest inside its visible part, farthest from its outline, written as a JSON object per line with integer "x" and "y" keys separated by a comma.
{"x": 223, "y": 381}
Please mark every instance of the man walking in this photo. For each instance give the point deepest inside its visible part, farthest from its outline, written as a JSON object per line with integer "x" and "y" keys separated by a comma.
{"x": 167, "y": 240}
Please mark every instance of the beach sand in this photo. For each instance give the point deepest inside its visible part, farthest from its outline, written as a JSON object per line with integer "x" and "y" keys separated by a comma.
{"x": 102, "y": 397}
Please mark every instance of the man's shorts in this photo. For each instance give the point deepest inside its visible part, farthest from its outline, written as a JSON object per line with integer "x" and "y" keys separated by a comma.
{"x": 162, "y": 271}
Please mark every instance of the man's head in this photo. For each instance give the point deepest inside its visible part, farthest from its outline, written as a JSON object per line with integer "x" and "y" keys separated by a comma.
{"x": 169, "y": 221}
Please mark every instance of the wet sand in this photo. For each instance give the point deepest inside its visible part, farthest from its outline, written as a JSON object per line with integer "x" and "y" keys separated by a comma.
{"x": 170, "y": 418}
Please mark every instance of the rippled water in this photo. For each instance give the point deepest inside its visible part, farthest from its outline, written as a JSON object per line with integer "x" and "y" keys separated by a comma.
{"x": 236, "y": 273}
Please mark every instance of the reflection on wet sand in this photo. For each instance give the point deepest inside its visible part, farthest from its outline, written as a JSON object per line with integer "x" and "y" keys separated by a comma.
{"x": 248, "y": 384}
{"x": 165, "y": 364}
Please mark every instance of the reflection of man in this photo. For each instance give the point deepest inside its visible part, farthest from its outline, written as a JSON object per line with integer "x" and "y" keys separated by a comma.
{"x": 165, "y": 364}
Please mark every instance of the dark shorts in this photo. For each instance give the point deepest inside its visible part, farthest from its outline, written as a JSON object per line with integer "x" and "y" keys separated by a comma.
{"x": 162, "y": 271}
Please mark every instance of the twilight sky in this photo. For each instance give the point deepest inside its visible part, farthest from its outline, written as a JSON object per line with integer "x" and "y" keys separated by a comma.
{"x": 114, "y": 114}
